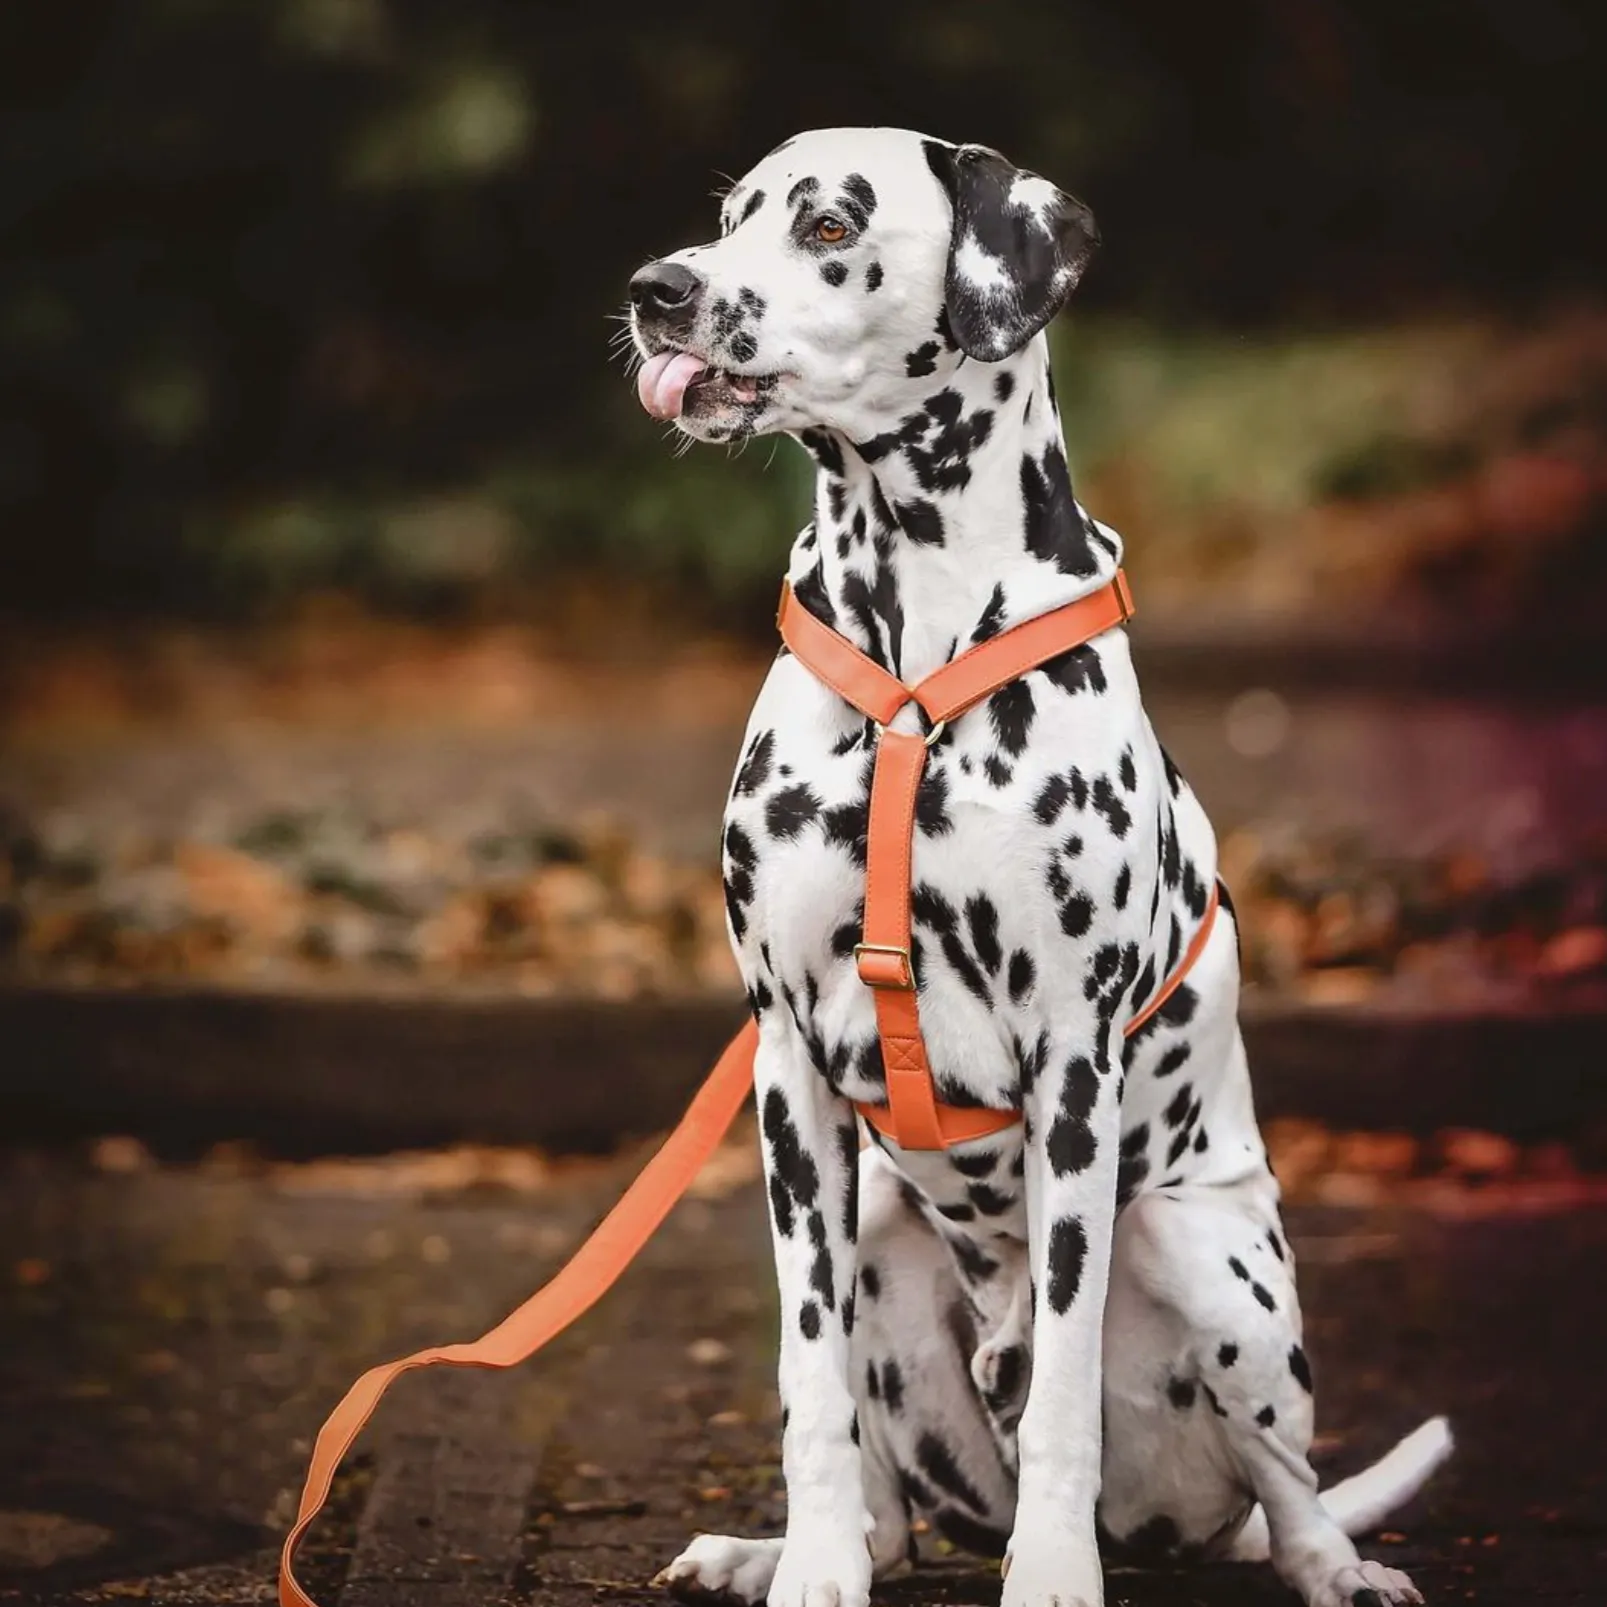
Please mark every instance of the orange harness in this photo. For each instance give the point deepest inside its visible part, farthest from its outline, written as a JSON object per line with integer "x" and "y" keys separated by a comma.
{"x": 912, "y": 1116}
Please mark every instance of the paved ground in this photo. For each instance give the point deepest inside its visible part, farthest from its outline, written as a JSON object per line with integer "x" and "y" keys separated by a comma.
{"x": 173, "y": 1336}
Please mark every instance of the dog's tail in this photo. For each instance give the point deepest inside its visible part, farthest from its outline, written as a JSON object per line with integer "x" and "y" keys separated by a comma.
{"x": 1361, "y": 1503}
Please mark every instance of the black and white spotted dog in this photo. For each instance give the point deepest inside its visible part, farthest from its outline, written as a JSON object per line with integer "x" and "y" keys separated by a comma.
{"x": 1087, "y": 1326}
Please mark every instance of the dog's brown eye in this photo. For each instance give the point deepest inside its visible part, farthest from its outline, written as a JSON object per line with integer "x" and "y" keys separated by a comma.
{"x": 830, "y": 230}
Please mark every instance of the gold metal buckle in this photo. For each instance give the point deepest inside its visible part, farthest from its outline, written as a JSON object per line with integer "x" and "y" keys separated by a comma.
{"x": 908, "y": 982}
{"x": 931, "y": 739}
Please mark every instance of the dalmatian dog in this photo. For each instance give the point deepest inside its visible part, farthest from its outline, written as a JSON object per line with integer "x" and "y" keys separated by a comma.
{"x": 1083, "y": 1331}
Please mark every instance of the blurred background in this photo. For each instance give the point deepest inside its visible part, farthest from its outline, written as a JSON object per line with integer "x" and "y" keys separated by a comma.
{"x": 372, "y": 671}
{"x": 338, "y": 558}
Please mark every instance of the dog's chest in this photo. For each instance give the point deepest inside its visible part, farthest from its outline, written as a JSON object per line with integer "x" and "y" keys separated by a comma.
{"x": 1040, "y": 826}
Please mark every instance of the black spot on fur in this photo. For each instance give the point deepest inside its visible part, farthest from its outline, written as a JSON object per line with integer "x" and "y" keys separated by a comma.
{"x": 859, "y": 198}
{"x": 756, "y": 764}
{"x": 992, "y": 620}
{"x": 1238, "y": 1269}
{"x": 873, "y": 276}
{"x": 740, "y": 863}
{"x": 1068, "y": 1250}
{"x": 975, "y": 1264}
{"x": 790, "y": 810}
{"x": 1173, "y": 1060}
{"x": 1108, "y": 804}
{"x": 989, "y": 1201}
{"x": 932, "y": 804}
{"x": 1266, "y": 1417}
{"x": 982, "y": 918}
{"x": 1264, "y": 1295}
{"x": 809, "y": 1320}
{"x": 935, "y": 1458}
{"x": 1010, "y": 713}
{"x": 1077, "y": 915}
{"x": 1077, "y": 670}
{"x": 826, "y": 450}
{"x": 1300, "y": 1368}
{"x": 999, "y": 774}
{"x": 1272, "y": 1240}
{"x": 980, "y": 1164}
{"x": 834, "y": 272}
{"x": 1004, "y": 385}
{"x": 1227, "y": 1354}
{"x": 1021, "y": 976}
{"x": 923, "y": 360}
{"x": 1056, "y": 531}
{"x": 1051, "y": 799}
{"x": 1177, "y": 1111}
{"x": 893, "y": 1386}
{"x": 921, "y": 522}
{"x": 794, "y": 1177}
{"x": 1124, "y": 886}
{"x": 751, "y": 205}
{"x": 804, "y": 188}
{"x": 1180, "y": 1392}
{"x": 820, "y": 1269}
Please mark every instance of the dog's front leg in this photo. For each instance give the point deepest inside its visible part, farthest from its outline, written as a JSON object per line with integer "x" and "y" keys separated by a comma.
{"x": 1073, "y": 1118}
{"x": 811, "y": 1162}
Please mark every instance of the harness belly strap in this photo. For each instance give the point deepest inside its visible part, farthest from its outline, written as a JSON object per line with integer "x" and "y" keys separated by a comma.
{"x": 912, "y": 1116}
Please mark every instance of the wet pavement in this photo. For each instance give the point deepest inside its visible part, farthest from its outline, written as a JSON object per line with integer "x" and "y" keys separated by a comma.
{"x": 172, "y": 1337}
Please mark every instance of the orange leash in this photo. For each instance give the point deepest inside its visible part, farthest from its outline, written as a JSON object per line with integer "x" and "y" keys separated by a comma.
{"x": 592, "y": 1272}
{"x": 912, "y": 1116}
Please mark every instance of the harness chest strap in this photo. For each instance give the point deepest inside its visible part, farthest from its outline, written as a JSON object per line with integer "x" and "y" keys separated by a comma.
{"x": 912, "y": 1116}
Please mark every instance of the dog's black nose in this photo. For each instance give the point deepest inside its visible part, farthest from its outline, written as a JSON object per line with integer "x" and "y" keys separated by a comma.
{"x": 665, "y": 287}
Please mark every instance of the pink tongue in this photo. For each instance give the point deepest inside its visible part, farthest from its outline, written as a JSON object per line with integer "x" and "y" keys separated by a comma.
{"x": 662, "y": 383}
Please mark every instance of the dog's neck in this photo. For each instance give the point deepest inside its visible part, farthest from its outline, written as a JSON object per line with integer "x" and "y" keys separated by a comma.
{"x": 955, "y": 523}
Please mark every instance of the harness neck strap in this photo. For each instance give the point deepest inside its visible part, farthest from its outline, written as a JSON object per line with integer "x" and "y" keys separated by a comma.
{"x": 912, "y": 1117}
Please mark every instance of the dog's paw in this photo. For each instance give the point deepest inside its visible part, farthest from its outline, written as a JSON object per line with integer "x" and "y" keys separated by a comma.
{"x": 823, "y": 1567}
{"x": 1368, "y": 1584}
{"x": 1039, "y": 1574}
{"x": 718, "y": 1565}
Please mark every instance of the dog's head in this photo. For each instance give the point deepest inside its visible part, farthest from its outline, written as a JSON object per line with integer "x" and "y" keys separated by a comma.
{"x": 853, "y": 266}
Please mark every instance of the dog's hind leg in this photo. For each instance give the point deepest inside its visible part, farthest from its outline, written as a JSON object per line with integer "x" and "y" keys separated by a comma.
{"x": 1208, "y": 1402}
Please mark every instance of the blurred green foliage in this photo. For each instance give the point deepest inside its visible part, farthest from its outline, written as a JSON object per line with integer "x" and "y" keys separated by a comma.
{"x": 299, "y": 293}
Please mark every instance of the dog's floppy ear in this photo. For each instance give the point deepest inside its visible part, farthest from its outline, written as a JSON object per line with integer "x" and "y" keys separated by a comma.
{"x": 1017, "y": 248}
